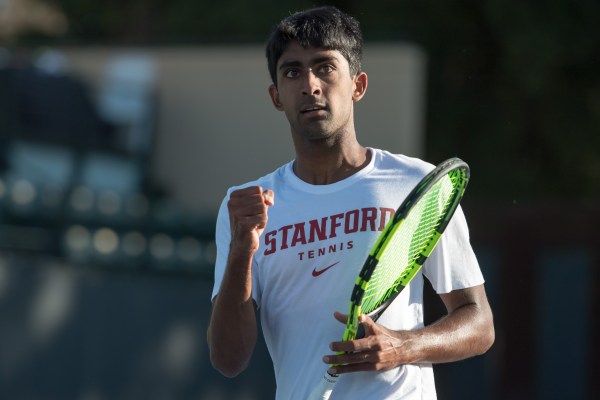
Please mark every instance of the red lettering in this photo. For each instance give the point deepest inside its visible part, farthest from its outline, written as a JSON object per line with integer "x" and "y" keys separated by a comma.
{"x": 284, "y": 236}
{"x": 299, "y": 235}
{"x": 369, "y": 215}
{"x": 335, "y": 224}
{"x": 316, "y": 229}
{"x": 321, "y": 251}
{"x": 384, "y": 216}
{"x": 271, "y": 242}
{"x": 351, "y": 221}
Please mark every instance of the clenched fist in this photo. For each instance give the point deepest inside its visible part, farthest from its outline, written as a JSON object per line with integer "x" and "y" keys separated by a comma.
{"x": 248, "y": 217}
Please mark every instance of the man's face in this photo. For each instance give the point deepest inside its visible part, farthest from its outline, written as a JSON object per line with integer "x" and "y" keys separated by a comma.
{"x": 316, "y": 91}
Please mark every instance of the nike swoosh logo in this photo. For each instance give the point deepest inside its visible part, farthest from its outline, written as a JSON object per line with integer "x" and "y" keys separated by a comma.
{"x": 316, "y": 273}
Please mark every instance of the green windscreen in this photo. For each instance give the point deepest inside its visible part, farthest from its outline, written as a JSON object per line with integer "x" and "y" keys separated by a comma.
{"x": 411, "y": 241}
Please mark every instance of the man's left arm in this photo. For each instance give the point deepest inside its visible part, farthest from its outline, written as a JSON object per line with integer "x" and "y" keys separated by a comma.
{"x": 466, "y": 331}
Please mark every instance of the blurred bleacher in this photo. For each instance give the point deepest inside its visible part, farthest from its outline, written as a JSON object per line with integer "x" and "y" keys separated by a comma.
{"x": 73, "y": 175}
{"x": 105, "y": 279}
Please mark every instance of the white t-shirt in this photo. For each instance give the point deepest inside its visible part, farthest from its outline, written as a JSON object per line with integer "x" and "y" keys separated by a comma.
{"x": 311, "y": 251}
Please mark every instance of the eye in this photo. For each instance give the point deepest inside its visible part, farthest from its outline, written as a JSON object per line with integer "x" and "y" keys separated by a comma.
{"x": 326, "y": 69}
{"x": 291, "y": 73}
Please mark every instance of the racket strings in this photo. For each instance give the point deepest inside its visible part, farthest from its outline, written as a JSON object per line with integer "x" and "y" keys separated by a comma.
{"x": 407, "y": 243}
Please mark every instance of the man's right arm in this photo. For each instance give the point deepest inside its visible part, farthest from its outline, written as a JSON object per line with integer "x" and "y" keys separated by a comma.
{"x": 232, "y": 330}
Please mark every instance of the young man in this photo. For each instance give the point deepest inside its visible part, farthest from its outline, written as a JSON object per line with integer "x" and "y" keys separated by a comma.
{"x": 291, "y": 243}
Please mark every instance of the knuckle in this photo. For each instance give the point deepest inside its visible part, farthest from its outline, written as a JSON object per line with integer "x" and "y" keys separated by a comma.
{"x": 380, "y": 367}
{"x": 375, "y": 343}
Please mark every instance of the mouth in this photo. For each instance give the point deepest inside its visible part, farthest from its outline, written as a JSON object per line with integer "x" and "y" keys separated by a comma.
{"x": 313, "y": 108}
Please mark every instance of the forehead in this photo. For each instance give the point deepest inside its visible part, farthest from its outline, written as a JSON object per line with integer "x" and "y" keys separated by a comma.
{"x": 298, "y": 55}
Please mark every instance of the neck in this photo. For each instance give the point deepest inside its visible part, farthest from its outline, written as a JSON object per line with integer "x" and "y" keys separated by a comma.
{"x": 321, "y": 163}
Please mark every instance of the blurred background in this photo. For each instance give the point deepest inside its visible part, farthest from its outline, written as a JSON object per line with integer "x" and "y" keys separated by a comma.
{"x": 123, "y": 123}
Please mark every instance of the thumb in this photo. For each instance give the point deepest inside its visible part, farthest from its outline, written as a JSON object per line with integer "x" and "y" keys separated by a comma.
{"x": 269, "y": 197}
{"x": 369, "y": 326}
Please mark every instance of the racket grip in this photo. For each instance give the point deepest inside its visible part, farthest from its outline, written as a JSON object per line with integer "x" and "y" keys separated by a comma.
{"x": 360, "y": 332}
{"x": 323, "y": 390}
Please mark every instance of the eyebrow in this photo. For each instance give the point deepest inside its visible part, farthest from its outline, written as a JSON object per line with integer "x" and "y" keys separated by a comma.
{"x": 317, "y": 60}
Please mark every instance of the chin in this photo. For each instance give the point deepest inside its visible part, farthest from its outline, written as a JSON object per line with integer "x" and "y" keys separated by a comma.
{"x": 316, "y": 136}
{"x": 318, "y": 131}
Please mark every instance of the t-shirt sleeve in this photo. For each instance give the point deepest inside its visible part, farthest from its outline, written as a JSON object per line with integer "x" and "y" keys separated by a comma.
{"x": 223, "y": 240}
{"x": 453, "y": 265}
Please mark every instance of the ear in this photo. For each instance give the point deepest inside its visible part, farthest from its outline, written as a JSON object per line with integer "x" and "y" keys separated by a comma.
{"x": 274, "y": 93}
{"x": 360, "y": 86}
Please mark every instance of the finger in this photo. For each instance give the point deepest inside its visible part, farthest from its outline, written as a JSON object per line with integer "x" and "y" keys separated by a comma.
{"x": 350, "y": 358}
{"x": 251, "y": 222}
{"x": 340, "y": 369}
{"x": 249, "y": 217}
{"x": 248, "y": 210}
{"x": 247, "y": 202}
{"x": 251, "y": 200}
{"x": 350, "y": 346}
{"x": 343, "y": 318}
{"x": 247, "y": 191}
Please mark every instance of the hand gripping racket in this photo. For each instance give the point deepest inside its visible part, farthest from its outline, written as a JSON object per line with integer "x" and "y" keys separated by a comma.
{"x": 401, "y": 249}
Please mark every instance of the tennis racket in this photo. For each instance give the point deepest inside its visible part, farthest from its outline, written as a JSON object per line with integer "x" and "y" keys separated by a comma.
{"x": 401, "y": 249}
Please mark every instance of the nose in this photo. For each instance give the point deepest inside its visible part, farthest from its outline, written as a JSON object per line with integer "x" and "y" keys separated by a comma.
{"x": 312, "y": 84}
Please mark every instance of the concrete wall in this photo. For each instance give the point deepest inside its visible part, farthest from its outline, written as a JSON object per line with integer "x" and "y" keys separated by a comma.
{"x": 217, "y": 126}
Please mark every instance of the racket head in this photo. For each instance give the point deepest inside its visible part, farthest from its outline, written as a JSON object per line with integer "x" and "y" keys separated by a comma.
{"x": 407, "y": 241}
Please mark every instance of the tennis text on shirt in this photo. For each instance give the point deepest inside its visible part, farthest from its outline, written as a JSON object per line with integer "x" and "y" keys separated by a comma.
{"x": 325, "y": 228}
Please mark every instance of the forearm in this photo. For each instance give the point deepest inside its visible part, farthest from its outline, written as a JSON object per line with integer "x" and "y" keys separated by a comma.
{"x": 465, "y": 332}
{"x": 232, "y": 331}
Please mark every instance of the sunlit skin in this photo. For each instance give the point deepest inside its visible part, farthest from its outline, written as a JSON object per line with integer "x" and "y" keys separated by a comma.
{"x": 316, "y": 91}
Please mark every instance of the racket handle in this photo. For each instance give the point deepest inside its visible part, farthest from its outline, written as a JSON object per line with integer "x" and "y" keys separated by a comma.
{"x": 360, "y": 332}
{"x": 323, "y": 390}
